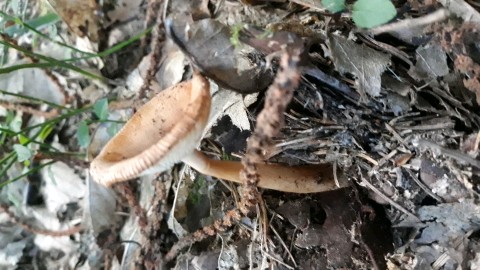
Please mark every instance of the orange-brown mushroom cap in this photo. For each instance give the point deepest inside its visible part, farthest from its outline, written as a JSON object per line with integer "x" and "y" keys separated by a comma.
{"x": 158, "y": 135}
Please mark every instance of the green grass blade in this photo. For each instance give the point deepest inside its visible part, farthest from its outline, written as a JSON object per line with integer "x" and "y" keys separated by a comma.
{"x": 33, "y": 170}
{"x": 22, "y": 66}
{"x": 34, "y": 100}
{"x": 115, "y": 48}
{"x": 55, "y": 62}
{"x": 32, "y": 28}
{"x": 33, "y": 24}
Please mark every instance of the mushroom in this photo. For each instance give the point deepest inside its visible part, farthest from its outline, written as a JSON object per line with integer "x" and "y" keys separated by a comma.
{"x": 168, "y": 128}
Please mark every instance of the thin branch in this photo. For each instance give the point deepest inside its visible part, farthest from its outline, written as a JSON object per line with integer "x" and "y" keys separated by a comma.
{"x": 269, "y": 123}
{"x": 157, "y": 39}
{"x": 31, "y": 229}
{"x": 29, "y": 110}
{"x": 433, "y": 17}
{"x": 448, "y": 152}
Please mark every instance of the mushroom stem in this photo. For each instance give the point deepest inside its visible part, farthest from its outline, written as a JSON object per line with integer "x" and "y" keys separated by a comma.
{"x": 296, "y": 179}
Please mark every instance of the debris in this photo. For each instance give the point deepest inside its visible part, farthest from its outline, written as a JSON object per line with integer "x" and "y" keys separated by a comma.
{"x": 431, "y": 63}
{"x": 80, "y": 16}
{"x": 208, "y": 45}
{"x": 365, "y": 63}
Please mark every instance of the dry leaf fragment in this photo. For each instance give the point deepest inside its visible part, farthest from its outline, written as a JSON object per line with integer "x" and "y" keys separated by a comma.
{"x": 364, "y": 62}
{"x": 431, "y": 62}
{"x": 208, "y": 45}
{"x": 80, "y": 16}
{"x": 33, "y": 82}
{"x": 230, "y": 103}
{"x": 402, "y": 159}
{"x": 100, "y": 204}
{"x": 462, "y": 9}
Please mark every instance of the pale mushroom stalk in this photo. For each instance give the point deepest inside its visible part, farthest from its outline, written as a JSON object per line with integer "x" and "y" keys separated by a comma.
{"x": 297, "y": 179}
{"x": 168, "y": 128}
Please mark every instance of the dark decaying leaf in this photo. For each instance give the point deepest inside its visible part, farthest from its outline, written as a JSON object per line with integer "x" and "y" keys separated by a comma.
{"x": 448, "y": 226}
{"x": 207, "y": 43}
{"x": 415, "y": 35}
{"x": 296, "y": 212}
{"x": 342, "y": 225}
{"x": 439, "y": 181}
{"x": 431, "y": 63}
{"x": 364, "y": 62}
{"x": 230, "y": 137}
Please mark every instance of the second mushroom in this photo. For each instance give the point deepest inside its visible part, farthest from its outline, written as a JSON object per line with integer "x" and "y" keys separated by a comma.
{"x": 167, "y": 130}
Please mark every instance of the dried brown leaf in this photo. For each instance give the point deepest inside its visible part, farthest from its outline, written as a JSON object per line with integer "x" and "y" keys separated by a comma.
{"x": 431, "y": 62}
{"x": 80, "y": 16}
{"x": 208, "y": 45}
{"x": 364, "y": 62}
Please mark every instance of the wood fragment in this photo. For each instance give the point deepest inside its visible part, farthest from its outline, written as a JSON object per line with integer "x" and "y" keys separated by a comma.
{"x": 29, "y": 110}
{"x": 455, "y": 154}
{"x": 29, "y": 228}
{"x": 396, "y": 135}
{"x": 389, "y": 200}
{"x": 436, "y": 16}
{"x": 423, "y": 186}
{"x": 157, "y": 40}
{"x": 461, "y": 9}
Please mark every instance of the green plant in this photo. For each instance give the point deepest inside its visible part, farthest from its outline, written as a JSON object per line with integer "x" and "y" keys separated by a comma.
{"x": 334, "y": 6}
{"x": 100, "y": 109}
{"x": 235, "y": 34}
{"x": 365, "y": 13}
{"x": 199, "y": 186}
{"x": 21, "y": 142}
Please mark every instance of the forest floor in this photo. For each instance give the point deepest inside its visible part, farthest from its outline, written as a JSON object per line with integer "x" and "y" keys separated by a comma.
{"x": 393, "y": 109}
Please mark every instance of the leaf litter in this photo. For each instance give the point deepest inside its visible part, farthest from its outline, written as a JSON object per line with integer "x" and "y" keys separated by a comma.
{"x": 396, "y": 112}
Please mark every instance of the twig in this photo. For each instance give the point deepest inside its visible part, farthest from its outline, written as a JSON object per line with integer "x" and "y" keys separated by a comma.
{"x": 153, "y": 7}
{"x": 290, "y": 256}
{"x": 126, "y": 189}
{"x": 386, "y": 198}
{"x": 396, "y": 135}
{"x": 423, "y": 186}
{"x": 433, "y": 17}
{"x": 367, "y": 158}
{"x": 277, "y": 260}
{"x": 448, "y": 152}
{"x": 29, "y": 110}
{"x": 67, "y": 159}
{"x": 386, "y": 48}
{"x": 157, "y": 38}
{"x": 269, "y": 122}
{"x": 31, "y": 229}
{"x": 461, "y": 9}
